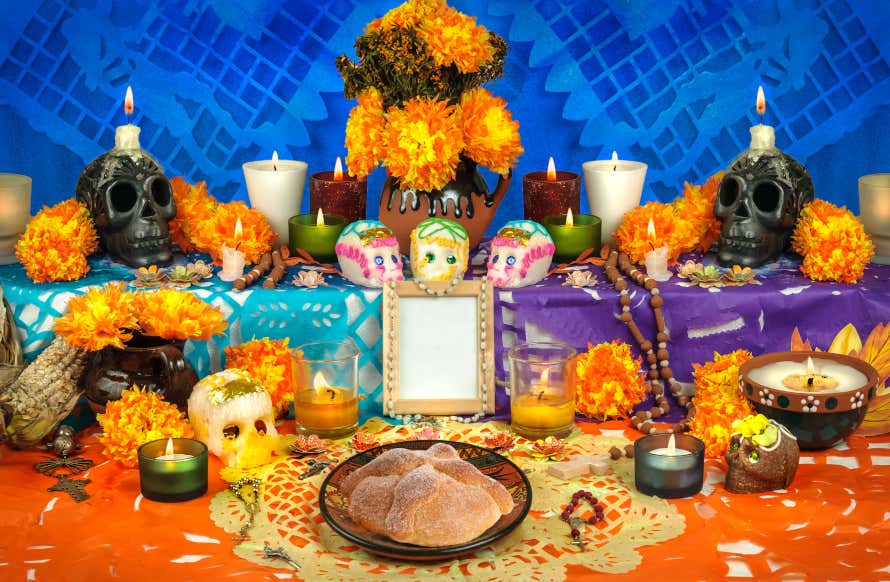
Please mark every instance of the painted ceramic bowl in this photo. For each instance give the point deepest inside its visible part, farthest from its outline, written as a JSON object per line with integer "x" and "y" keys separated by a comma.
{"x": 335, "y": 507}
{"x": 819, "y": 413}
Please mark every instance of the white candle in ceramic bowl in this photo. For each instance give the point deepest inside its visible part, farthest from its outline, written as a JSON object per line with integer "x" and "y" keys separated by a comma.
{"x": 772, "y": 375}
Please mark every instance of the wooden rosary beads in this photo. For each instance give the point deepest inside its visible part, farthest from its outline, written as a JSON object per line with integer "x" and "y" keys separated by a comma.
{"x": 657, "y": 355}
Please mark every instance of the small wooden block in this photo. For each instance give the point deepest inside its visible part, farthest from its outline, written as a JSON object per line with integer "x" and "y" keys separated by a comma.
{"x": 569, "y": 469}
{"x": 600, "y": 464}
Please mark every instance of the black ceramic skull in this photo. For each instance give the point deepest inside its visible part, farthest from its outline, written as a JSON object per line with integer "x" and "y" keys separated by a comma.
{"x": 131, "y": 202}
{"x": 759, "y": 202}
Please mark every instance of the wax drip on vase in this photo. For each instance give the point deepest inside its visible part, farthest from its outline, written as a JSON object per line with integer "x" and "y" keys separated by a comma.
{"x": 129, "y": 198}
{"x": 760, "y": 199}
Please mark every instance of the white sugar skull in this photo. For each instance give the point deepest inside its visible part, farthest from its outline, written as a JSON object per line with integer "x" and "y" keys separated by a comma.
{"x": 368, "y": 253}
{"x": 440, "y": 250}
{"x": 520, "y": 254}
{"x": 232, "y": 414}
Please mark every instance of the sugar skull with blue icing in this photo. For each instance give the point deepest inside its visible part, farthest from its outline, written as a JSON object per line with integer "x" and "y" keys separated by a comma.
{"x": 368, "y": 253}
{"x": 521, "y": 253}
{"x": 440, "y": 250}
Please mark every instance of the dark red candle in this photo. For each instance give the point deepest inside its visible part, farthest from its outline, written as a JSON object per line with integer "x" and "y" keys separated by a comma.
{"x": 550, "y": 192}
{"x": 338, "y": 193}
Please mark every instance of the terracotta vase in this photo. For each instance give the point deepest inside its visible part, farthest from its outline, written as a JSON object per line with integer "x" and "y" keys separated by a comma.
{"x": 149, "y": 362}
{"x": 465, "y": 199}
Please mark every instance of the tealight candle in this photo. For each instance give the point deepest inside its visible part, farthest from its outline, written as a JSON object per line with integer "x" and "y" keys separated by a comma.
{"x": 763, "y": 137}
{"x": 573, "y": 234}
{"x": 656, "y": 259}
{"x": 542, "y": 391}
{"x": 329, "y": 406}
{"x": 669, "y": 466}
{"x": 316, "y": 233}
{"x": 614, "y": 187}
{"x": 275, "y": 188}
{"x": 338, "y": 193}
{"x": 173, "y": 469}
{"x": 550, "y": 192}
{"x": 232, "y": 258}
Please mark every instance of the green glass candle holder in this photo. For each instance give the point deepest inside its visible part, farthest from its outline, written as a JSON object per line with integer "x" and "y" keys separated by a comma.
{"x": 179, "y": 478}
{"x": 572, "y": 240}
{"x": 317, "y": 240}
{"x": 669, "y": 476}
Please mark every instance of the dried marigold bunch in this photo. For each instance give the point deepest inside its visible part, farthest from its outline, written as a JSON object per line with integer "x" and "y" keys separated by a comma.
{"x": 609, "y": 381}
{"x": 270, "y": 363}
{"x": 833, "y": 243}
{"x": 138, "y": 417}
{"x": 718, "y": 401}
{"x": 57, "y": 242}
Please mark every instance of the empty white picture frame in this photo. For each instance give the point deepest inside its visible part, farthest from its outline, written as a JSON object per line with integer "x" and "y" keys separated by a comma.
{"x": 438, "y": 348}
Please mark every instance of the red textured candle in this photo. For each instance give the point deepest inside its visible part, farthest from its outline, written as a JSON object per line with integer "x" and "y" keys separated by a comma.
{"x": 544, "y": 195}
{"x": 338, "y": 193}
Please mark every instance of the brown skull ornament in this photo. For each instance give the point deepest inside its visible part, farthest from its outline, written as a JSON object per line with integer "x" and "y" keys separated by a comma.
{"x": 764, "y": 461}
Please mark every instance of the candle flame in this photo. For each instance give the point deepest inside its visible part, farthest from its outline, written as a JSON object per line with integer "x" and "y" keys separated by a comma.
{"x": 614, "y": 160}
{"x": 238, "y": 229}
{"x": 570, "y": 219}
{"x": 761, "y": 101}
{"x": 319, "y": 382}
{"x": 275, "y": 160}
{"x": 551, "y": 170}
{"x": 650, "y": 232}
{"x": 338, "y": 170}
{"x": 672, "y": 446}
{"x": 811, "y": 369}
{"x": 545, "y": 377}
{"x": 169, "y": 450}
{"x": 128, "y": 101}
{"x": 319, "y": 219}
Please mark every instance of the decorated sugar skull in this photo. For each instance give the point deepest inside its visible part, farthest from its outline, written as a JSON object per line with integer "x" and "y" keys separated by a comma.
{"x": 762, "y": 456}
{"x": 440, "y": 250}
{"x": 131, "y": 202}
{"x": 232, "y": 414}
{"x": 368, "y": 253}
{"x": 759, "y": 202}
{"x": 520, "y": 254}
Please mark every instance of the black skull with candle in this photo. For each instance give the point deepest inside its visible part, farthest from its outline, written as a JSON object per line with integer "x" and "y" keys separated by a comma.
{"x": 130, "y": 200}
{"x": 760, "y": 199}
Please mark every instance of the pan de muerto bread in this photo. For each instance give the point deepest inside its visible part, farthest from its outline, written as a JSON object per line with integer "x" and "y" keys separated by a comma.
{"x": 426, "y": 498}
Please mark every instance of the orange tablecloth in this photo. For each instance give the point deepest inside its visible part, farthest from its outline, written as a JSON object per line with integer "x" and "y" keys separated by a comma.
{"x": 830, "y": 524}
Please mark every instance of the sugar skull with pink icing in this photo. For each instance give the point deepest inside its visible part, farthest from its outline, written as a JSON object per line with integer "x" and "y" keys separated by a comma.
{"x": 521, "y": 253}
{"x": 368, "y": 253}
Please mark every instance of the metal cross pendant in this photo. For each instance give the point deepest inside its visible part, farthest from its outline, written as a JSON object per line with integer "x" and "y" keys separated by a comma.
{"x": 73, "y": 487}
{"x": 281, "y": 555}
{"x": 315, "y": 467}
{"x": 581, "y": 544}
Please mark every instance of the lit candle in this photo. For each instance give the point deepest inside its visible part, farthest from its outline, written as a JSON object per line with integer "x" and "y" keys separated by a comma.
{"x": 614, "y": 187}
{"x": 126, "y": 137}
{"x": 796, "y": 376}
{"x": 669, "y": 466}
{"x": 172, "y": 469}
{"x": 325, "y": 410}
{"x": 656, "y": 259}
{"x": 338, "y": 193}
{"x": 550, "y": 192}
{"x": 542, "y": 389}
{"x": 169, "y": 455}
{"x": 763, "y": 137}
{"x": 671, "y": 450}
{"x": 15, "y": 211}
{"x": 572, "y": 235}
{"x": 275, "y": 188}
{"x": 232, "y": 258}
{"x": 542, "y": 409}
{"x": 316, "y": 234}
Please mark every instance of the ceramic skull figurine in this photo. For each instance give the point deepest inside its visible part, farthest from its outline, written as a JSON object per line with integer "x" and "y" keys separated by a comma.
{"x": 762, "y": 456}
{"x": 368, "y": 254}
{"x": 440, "y": 250}
{"x": 233, "y": 415}
{"x": 131, "y": 202}
{"x": 520, "y": 254}
{"x": 759, "y": 201}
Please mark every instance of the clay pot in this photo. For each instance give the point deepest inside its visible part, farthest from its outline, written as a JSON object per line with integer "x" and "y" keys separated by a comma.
{"x": 152, "y": 363}
{"x": 465, "y": 199}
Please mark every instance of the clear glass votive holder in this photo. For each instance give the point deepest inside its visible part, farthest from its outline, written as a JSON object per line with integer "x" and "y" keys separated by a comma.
{"x": 542, "y": 389}
{"x": 326, "y": 399}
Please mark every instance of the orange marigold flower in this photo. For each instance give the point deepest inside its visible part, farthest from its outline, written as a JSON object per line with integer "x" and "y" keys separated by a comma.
{"x": 609, "y": 381}
{"x": 718, "y": 400}
{"x": 178, "y": 315}
{"x": 256, "y": 237}
{"x": 103, "y": 316}
{"x": 407, "y": 15}
{"x": 632, "y": 236}
{"x": 364, "y": 134}
{"x": 697, "y": 207}
{"x": 271, "y": 365}
{"x": 491, "y": 136}
{"x": 138, "y": 417}
{"x": 193, "y": 204}
{"x": 423, "y": 142}
{"x": 56, "y": 243}
{"x": 454, "y": 38}
{"x": 833, "y": 243}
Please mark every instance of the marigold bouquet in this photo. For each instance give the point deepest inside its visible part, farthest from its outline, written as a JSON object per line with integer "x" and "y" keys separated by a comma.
{"x": 833, "y": 243}
{"x": 421, "y": 106}
{"x": 609, "y": 381}
{"x": 110, "y": 315}
{"x": 57, "y": 242}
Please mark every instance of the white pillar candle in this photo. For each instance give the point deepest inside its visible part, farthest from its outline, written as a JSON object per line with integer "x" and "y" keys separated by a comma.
{"x": 614, "y": 187}
{"x": 126, "y": 137}
{"x": 275, "y": 188}
{"x": 656, "y": 264}
{"x": 763, "y": 137}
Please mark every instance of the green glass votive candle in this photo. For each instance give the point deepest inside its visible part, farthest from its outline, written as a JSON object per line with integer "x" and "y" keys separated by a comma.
{"x": 316, "y": 234}
{"x": 669, "y": 466}
{"x": 573, "y": 234}
{"x": 173, "y": 469}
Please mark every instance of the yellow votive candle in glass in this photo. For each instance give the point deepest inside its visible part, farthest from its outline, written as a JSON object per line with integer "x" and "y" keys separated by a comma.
{"x": 542, "y": 401}
{"x": 326, "y": 399}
